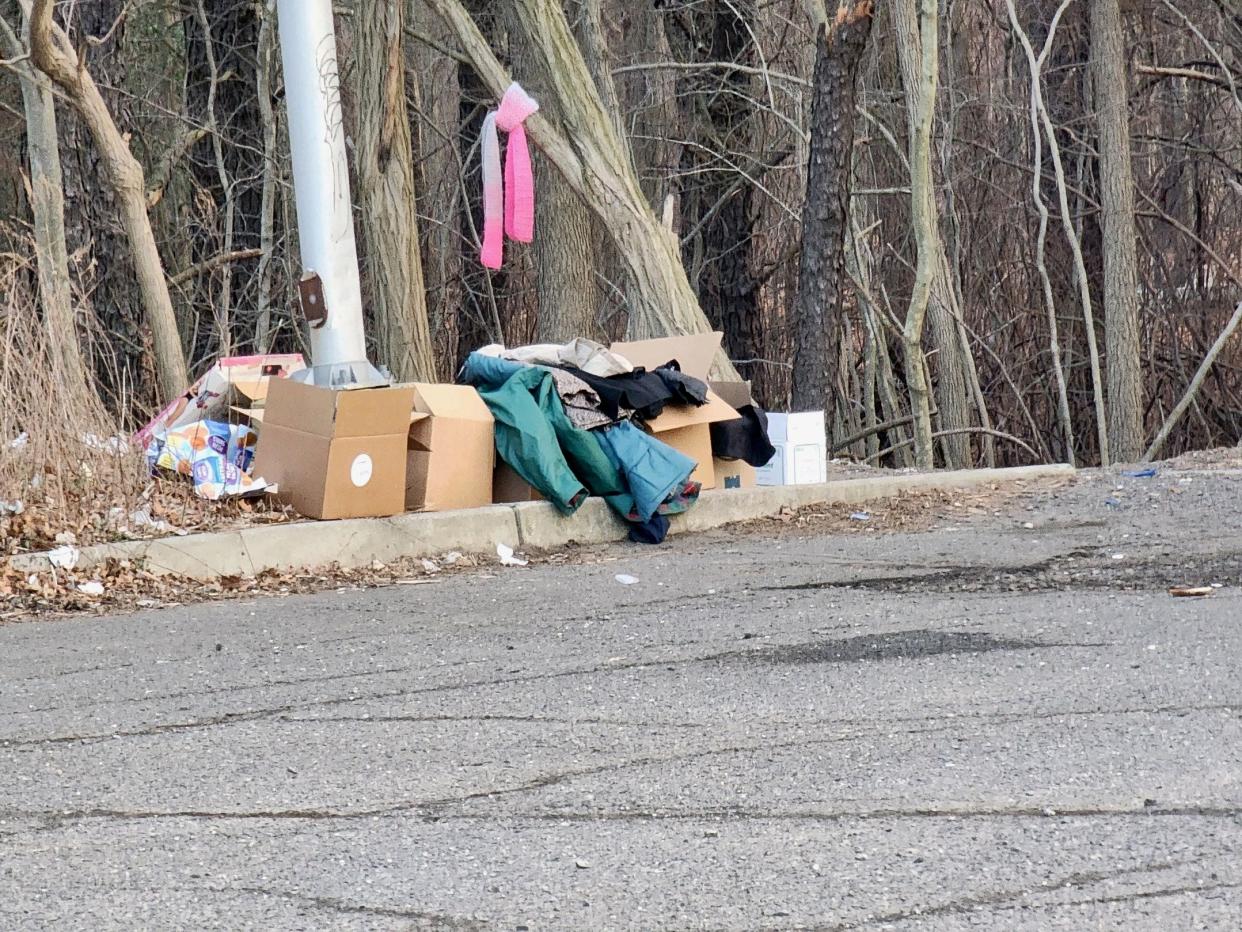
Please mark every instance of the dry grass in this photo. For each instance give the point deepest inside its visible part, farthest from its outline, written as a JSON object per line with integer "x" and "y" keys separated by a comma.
{"x": 68, "y": 474}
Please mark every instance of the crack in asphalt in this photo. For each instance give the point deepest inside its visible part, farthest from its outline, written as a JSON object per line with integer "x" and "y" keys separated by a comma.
{"x": 51, "y": 821}
{"x": 1142, "y": 895}
{"x": 436, "y": 920}
{"x": 281, "y": 714}
{"x": 538, "y": 783}
{"x": 738, "y": 814}
{"x": 1002, "y": 899}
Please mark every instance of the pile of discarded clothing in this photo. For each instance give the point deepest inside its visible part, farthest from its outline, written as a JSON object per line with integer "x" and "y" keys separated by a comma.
{"x": 570, "y": 419}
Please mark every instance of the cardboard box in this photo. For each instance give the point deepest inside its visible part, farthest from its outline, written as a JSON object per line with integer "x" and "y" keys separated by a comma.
{"x": 795, "y": 464}
{"x": 451, "y": 449}
{"x": 801, "y": 428}
{"x": 232, "y": 390}
{"x": 734, "y": 394}
{"x": 336, "y": 453}
{"x": 695, "y": 441}
{"x": 801, "y": 441}
{"x": 694, "y": 353}
{"x": 509, "y": 488}
{"x": 686, "y": 429}
{"x": 733, "y": 474}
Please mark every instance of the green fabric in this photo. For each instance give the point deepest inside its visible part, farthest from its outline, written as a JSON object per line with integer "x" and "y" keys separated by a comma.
{"x": 535, "y": 436}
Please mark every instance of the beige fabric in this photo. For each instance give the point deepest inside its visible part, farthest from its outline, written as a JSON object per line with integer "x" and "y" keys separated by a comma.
{"x": 587, "y": 355}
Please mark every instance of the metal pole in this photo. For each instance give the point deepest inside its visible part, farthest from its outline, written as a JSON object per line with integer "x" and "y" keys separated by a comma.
{"x": 321, "y": 185}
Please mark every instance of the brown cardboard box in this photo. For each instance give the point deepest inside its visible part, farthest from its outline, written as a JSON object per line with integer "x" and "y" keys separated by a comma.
{"x": 734, "y": 394}
{"x": 686, "y": 429}
{"x": 689, "y": 431}
{"x": 336, "y": 453}
{"x": 451, "y": 449}
{"x": 694, "y": 354}
{"x": 508, "y": 487}
{"x": 733, "y": 474}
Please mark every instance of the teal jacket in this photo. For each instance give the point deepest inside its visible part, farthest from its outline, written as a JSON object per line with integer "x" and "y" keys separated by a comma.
{"x": 535, "y": 436}
{"x": 638, "y": 475}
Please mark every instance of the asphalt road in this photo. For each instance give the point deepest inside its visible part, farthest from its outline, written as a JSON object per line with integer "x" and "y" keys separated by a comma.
{"x": 986, "y": 725}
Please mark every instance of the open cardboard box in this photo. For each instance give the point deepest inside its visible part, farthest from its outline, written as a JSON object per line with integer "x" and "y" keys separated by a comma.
{"x": 336, "y": 453}
{"x": 686, "y": 429}
{"x": 734, "y": 474}
{"x": 451, "y": 449}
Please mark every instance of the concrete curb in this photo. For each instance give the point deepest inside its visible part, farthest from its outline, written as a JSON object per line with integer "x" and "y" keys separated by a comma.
{"x": 360, "y": 541}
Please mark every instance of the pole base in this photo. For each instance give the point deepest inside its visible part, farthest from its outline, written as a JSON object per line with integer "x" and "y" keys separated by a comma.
{"x": 359, "y": 374}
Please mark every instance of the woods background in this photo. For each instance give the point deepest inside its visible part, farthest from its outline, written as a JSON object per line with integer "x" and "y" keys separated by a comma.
{"x": 1075, "y": 241}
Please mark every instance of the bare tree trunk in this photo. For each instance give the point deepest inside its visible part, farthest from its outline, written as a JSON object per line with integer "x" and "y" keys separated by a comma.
{"x": 597, "y": 163}
{"x": 926, "y": 234}
{"x": 385, "y": 166}
{"x": 952, "y": 393}
{"x": 265, "y": 10}
{"x": 720, "y": 165}
{"x": 436, "y": 86}
{"x": 1036, "y": 65}
{"x": 1121, "y": 304}
{"x": 223, "y": 305}
{"x": 565, "y": 256}
{"x": 55, "y": 56}
{"x": 47, "y": 203}
{"x": 840, "y": 46}
{"x": 566, "y": 246}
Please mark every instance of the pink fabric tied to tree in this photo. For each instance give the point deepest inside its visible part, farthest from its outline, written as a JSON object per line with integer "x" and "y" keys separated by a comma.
{"x": 512, "y": 199}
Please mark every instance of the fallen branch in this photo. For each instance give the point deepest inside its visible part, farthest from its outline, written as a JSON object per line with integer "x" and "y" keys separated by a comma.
{"x": 876, "y": 429}
{"x": 208, "y": 265}
{"x": 1189, "y": 73}
{"x": 958, "y": 430}
{"x": 1192, "y": 390}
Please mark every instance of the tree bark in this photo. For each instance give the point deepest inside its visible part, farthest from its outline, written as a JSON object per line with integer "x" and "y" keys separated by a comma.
{"x": 923, "y": 220}
{"x": 1121, "y": 304}
{"x": 565, "y": 256}
{"x": 53, "y": 54}
{"x": 265, "y": 70}
{"x": 596, "y": 162}
{"x": 565, "y": 249}
{"x": 389, "y": 217}
{"x": 825, "y": 213}
{"x": 47, "y": 203}
{"x": 719, "y": 119}
{"x": 436, "y": 87}
{"x": 952, "y": 393}
{"x": 1036, "y": 65}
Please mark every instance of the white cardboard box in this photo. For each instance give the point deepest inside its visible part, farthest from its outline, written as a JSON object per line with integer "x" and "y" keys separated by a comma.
{"x": 802, "y": 427}
{"x": 795, "y": 464}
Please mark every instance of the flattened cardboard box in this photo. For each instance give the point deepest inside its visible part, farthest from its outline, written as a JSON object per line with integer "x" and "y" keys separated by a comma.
{"x": 451, "y": 449}
{"x": 685, "y": 429}
{"x": 336, "y": 453}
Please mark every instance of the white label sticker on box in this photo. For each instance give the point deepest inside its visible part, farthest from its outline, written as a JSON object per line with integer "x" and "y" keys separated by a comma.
{"x": 361, "y": 470}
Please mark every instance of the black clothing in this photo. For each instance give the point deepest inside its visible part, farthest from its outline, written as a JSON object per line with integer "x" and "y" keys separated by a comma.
{"x": 744, "y": 439}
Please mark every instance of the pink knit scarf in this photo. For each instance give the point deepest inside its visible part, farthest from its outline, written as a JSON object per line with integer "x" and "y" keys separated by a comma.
{"x": 514, "y": 197}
